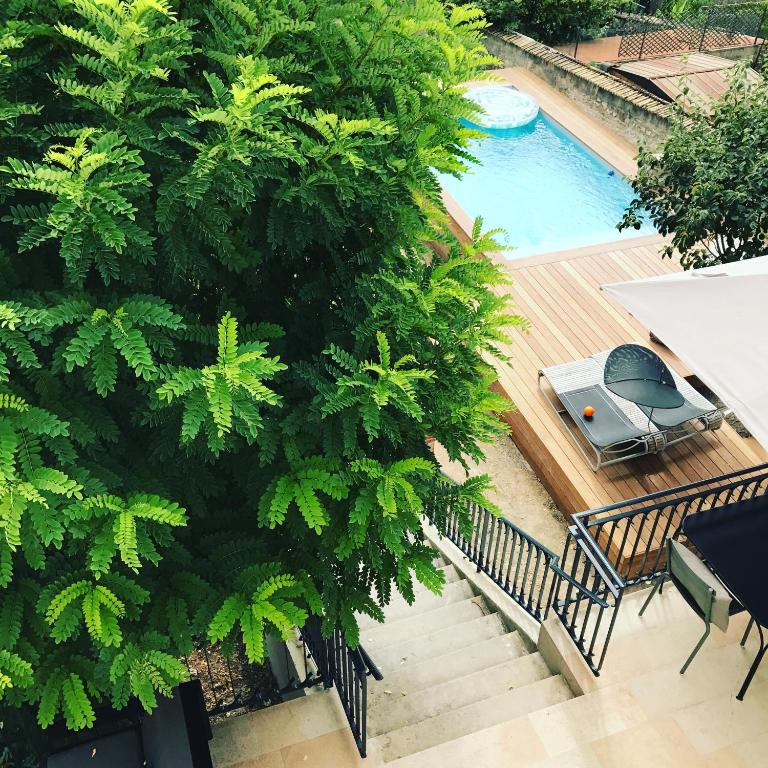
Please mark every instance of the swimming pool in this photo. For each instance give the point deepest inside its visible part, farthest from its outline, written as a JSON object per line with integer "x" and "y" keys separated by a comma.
{"x": 544, "y": 188}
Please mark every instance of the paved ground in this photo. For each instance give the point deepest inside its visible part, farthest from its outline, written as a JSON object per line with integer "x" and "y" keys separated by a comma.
{"x": 521, "y": 496}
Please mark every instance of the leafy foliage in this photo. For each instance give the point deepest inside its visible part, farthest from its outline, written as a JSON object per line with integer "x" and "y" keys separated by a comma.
{"x": 223, "y": 338}
{"x": 551, "y": 21}
{"x": 707, "y": 186}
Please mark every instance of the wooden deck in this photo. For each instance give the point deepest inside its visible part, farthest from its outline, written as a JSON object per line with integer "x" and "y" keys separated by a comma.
{"x": 570, "y": 319}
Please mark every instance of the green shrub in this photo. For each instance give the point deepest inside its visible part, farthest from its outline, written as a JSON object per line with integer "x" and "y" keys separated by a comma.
{"x": 707, "y": 185}
{"x": 550, "y": 21}
{"x": 223, "y": 341}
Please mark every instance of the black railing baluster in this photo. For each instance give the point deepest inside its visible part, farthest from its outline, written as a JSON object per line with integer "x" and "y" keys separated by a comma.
{"x": 533, "y": 580}
{"x": 512, "y": 548}
{"x": 494, "y": 566}
{"x": 503, "y": 552}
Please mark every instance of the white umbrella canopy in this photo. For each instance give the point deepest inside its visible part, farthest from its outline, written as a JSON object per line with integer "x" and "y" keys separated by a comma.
{"x": 716, "y": 321}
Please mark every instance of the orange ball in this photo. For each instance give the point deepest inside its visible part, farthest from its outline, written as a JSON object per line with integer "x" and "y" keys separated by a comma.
{"x": 589, "y": 412}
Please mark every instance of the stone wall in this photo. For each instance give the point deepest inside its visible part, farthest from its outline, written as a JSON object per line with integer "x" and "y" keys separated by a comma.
{"x": 629, "y": 112}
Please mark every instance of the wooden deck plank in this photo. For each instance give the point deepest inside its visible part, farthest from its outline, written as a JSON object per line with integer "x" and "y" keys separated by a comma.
{"x": 570, "y": 319}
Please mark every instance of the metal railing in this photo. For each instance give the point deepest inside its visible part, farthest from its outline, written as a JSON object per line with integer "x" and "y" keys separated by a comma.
{"x": 588, "y": 600}
{"x": 576, "y": 588}
{"x": 760, "y": 59}
{"x": 630, "y": 536}
{"x": 345, "y": 668}
{"x": 515, "y": 561}
{"x": 624, "y": 544}
{"x": 607, "y": 550}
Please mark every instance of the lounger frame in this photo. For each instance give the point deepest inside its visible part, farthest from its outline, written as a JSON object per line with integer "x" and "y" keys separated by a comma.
{"x": 623, "y": 450}
{"x": 587, "y": 372}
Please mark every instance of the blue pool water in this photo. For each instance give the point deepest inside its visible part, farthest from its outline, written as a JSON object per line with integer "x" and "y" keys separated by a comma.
{"x": 546, "y": 190}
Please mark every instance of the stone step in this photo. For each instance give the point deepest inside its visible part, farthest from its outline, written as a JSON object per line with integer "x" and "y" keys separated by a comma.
{"x": 473, "y": 717}
{"x": 397, "y": 711}
{"x": 664, "y": 609}
{"x": 573, "y": 723}
{"x": 380, "y": 636}
{"x": 425, "y": 601}
{"x": 449, "y": 571}
{"x": 435, "y": 670}
{"x": 412, "y": 650}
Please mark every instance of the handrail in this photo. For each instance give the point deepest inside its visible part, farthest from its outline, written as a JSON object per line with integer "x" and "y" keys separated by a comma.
{"x": 589, "y": 581}
{"x": 514, "y": 560}
{"x": 347, "y": 670}
{"x": 449, "y": 482}
{"x": 580, "y": 592}
{"x": 370, "y": 667}
{"x": 595, "y": 554}
{"x": 599, "y": 563}
{"x": 576, "y": 583}
{"x": 661, "y": 507}
{"x": 668, "y": 492}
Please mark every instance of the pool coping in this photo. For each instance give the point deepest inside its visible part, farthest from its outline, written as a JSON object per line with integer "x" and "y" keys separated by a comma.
{"x": 618, "y": 153}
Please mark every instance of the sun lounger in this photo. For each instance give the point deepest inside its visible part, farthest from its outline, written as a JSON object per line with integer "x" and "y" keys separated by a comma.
{"x": 621, "y": 430}
{"x": 618, "y": 431}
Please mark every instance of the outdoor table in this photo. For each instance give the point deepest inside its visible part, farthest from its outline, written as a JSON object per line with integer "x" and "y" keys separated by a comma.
{"x": 732, "y": 540}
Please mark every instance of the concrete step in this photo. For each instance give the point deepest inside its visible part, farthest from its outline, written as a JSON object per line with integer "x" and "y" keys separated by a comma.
{"x": 412, "y": 626}
{"x": 425, "y": 601}
{"x": 397, "y": 711}
{"x": 418, "y": 649}
{"x": 473, "y": 717}
{"x": 435, "y": 670}
{"x": 449, "y": 571}
{"x": 576, "y": 721}
{"x": 664, "y": 609}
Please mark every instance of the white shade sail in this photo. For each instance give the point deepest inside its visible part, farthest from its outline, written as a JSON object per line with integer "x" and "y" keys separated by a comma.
{"x": 716, "y": 321}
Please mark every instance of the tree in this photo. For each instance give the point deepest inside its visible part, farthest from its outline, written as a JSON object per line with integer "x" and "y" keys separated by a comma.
{"x": 223, "y": 339}
{"x": 551, "y": 21}
{"x": 707, "y": 186}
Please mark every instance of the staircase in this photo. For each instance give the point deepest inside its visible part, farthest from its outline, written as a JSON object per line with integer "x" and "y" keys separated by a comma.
{"x": 463, "y": 690}
{"x": 451, "y": 669}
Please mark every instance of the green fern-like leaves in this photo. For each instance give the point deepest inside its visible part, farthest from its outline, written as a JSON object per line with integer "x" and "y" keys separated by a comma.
{"x": 122, "y": 526}
{"x": 304, "y": 486}
{"x": 92, "y": 185}
{"x": 15, "y": 672}
{"x": 224, "y": 397}
{"x": 130, "y": 332}
{"x": 142, "y": 672}
{"x": 165, "y": 475}
{"x": 66, "y": 692}
{"x": 374, "y": 387}
{"x": 266, "y": 597}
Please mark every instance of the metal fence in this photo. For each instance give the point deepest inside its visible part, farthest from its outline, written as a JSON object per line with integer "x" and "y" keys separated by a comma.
{"x": 587, "y": 600}
{"x": 345, "y": 668}
{"x": 577, "y": 588}
{"x": 710, "y": 28}
{"x": 760, "y": 61}
{"x": 623, "y": 545}
{"x": 523, "y": 567}
{"x": 607, "y": 550}
{"x": 630, "y": 537}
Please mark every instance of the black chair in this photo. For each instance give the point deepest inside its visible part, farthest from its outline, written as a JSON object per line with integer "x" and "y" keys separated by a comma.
{"x": 639, "y": 375}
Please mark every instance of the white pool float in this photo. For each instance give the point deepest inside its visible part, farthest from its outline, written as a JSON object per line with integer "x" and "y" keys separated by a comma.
{"x": 504, "y": 107}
